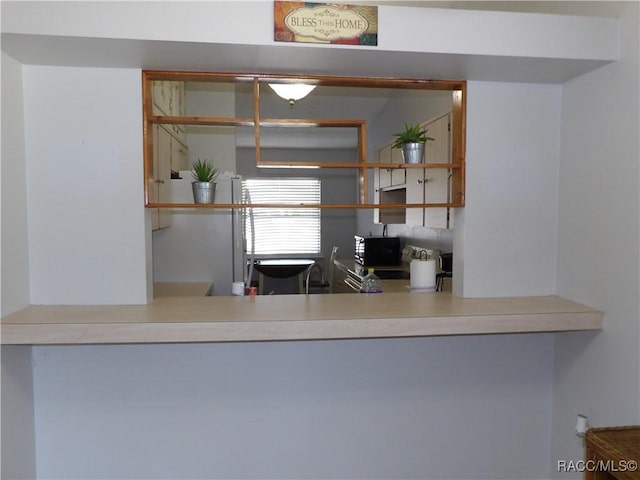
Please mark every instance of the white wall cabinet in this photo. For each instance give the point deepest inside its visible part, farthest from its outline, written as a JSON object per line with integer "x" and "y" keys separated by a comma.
{"x": 179, "y": 155}
{"x": 431, "y": 185}
{"x": 169, "y": 154}
{"x": 169, "y": 100}
{"x": 389, "y": 177}
{"x": 161, "y": 179}
{"x": 415, "y": 194}
{"x": 389, "y": 186}
{"x": 170, "y": 151}
{"x": 435, "y": 191}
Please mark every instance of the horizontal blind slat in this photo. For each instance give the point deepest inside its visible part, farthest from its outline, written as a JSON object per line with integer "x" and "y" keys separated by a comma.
{"x": 282, "y": 230}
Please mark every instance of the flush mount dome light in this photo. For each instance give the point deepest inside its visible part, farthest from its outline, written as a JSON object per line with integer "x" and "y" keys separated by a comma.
{"x": 292, "y": 91}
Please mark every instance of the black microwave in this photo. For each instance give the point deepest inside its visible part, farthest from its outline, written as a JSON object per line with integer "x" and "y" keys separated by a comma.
{"x": 377, "y": 251}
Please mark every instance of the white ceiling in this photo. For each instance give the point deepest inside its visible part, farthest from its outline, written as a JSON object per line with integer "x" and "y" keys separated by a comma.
{"x": 587, "y": 8}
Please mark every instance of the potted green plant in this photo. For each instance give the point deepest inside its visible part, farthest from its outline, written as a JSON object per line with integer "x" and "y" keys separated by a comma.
{"x": 411, "y": 141}
{"x": 204, "y": 173}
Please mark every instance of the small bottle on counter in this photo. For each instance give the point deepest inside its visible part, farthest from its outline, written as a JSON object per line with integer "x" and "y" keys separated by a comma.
{"x": 371, "y": 283}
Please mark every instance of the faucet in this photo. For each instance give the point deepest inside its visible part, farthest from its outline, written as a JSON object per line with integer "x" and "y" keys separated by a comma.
{"x": 308, "y": 277}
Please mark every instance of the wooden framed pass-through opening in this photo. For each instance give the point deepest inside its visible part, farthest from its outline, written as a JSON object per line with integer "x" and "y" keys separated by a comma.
{"x": 164, "y": 112}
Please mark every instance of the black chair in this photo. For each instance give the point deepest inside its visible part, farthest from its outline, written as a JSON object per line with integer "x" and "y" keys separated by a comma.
{"x": 446, "y": 270}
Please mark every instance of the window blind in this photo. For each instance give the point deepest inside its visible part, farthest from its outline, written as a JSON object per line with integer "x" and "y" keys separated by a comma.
{"x": 287, "y": 231}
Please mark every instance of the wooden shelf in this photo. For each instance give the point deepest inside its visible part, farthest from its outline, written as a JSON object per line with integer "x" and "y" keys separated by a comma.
{"x": 264, "y": 122}
{"x": 408, "y": 166}
{"x": 258, "y": 123}
{"x": 372, "y": 165}
{"x": 295, "y": 317}
{"x": 303, "y": 205}
{"x": 215, "y": 121}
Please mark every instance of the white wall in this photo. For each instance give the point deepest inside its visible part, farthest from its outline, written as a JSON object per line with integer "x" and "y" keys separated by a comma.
{"x": 18, "y": 457}
{"x": 416, "y": 398}
{"x": 510, "y": 217}
{"x": 86, "y": 213}
{"x": 15, "y": 257}
{"x": 598, "y": 237}
{"x": 447, "y": 408}
{"x": 360, "y": 408}
{"x": 314, "y": 408}
{"x": 491, "y": 34}
{"x": 353, "y": 401}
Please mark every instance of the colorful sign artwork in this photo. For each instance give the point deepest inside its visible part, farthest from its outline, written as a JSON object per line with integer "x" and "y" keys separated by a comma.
{"x": 325, "y": 23}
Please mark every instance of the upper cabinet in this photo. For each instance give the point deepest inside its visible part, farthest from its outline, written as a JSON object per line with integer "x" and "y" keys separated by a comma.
{"x": 159, "y": 183}
{"x": 341, "y": 124}
{"x": 168, "y": 98}
{"x": 169, "y": 150}
{"x": 388, "y": 176}
{"x": 429, "y": 186}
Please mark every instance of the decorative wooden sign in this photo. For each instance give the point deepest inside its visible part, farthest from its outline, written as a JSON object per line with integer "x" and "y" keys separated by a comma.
{"x": 325, "y": 23}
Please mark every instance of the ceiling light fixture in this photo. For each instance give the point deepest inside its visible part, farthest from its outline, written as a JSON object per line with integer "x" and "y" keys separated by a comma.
{"x": 292, "y": 91}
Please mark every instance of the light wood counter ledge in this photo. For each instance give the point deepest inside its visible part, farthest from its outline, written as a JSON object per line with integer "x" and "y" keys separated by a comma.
{"x": 294, "y": 317}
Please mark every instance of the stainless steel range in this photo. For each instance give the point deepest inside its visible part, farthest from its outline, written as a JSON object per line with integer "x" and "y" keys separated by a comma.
{"x": 356, "y": 272}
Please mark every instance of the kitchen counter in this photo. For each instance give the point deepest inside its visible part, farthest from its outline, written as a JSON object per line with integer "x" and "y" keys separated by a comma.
{"x": 295, "y": 317}
{"x": 397, "y": 285}
{"x": 182, "y": 289}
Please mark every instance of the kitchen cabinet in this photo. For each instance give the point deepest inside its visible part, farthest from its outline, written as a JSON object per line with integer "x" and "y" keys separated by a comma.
{"x": 428, "y": 186}
{"x": 169, "y": 154}
{"x": 388, "y": 177}
{"x": 431, "y": 185}
{"x": 160, "y": 181}
{"x": 389, "y": 185}
{"x": 169, "y": 100}
{"x": 435, "y": 185}
{"x": 418, "y": 185}
{"x": 179, "y": 155}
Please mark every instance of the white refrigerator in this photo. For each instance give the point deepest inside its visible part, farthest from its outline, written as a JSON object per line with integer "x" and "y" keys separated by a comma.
{"x": 203, "y": 245}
